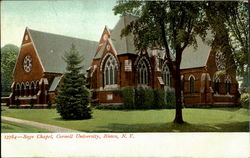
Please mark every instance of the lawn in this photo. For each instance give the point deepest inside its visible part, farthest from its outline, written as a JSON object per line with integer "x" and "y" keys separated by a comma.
{"x": 197, "y": 120}
{"x": 11, "y": 127}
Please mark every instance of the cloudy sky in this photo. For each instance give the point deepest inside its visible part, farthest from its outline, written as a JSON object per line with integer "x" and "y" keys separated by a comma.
{"x": 83, "y": 19}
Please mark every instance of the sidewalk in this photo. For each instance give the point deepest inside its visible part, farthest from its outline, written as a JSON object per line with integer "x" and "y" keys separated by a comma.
{"x": 51, "y": 128}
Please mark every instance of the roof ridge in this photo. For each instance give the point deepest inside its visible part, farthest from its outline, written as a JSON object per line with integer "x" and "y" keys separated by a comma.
{"x": 60, "y": 35}
{"x": 126, "y": 39}
{"x": 107, "y": 28}
{"x": 112, "y": 45}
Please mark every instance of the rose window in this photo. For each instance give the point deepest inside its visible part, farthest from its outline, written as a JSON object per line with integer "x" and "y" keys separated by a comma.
{"x": 220, "y": 61}
{"x": 27, "y": 63}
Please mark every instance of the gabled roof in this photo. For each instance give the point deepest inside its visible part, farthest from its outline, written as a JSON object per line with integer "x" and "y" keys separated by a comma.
{"x": 195, "y": 58}
{"x": 108, "y": 41}
{"x": 125, "y": 44}
{"x": 99, "y": 55}
{"x": 102, "y": 40}
{"x": 192, "y": 58}
{"x": 51, "y": 48}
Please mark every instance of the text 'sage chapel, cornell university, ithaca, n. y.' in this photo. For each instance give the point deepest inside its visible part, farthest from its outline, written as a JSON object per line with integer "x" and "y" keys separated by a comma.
{"x": 113, "y": 63}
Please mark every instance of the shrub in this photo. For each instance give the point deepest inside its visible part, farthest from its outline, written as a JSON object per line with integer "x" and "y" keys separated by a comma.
{"x": 49, "y": 105}
{"x": 32, "y": 101}
{"x": 148, "y": 99}
{"x": 128, "y": 95}
{"x": 170, "y": 99}
{"x": 110, "y": 107}
{"x": 159, "y": 99}
{"x": 244, "y": 100}
{"x": 139, "y": 98}
{"x": 144, "y": 98}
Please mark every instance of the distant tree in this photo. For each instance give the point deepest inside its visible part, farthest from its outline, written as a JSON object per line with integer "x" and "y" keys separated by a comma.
{"x": 8, "y": 59}
{"x": 73, "y": 97}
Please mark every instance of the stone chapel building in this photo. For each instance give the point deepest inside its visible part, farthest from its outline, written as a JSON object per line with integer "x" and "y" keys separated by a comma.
{"x": 113, "y": 63}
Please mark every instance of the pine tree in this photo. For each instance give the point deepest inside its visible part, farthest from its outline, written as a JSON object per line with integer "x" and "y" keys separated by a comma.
{"x": 73, "y": 97}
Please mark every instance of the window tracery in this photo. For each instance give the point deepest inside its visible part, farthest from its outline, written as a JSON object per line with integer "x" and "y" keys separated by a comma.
{"x": 110, "y": 71}
{"x": 228, "y": 84}
{"x": 216, "y": 80}
{"x": 142, "y": 73}
{"x": 220, "y": 60}
{"x": 166, "y": 75}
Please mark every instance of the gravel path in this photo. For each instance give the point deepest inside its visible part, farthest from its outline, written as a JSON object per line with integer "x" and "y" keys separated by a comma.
{"x": 51, "y": 128}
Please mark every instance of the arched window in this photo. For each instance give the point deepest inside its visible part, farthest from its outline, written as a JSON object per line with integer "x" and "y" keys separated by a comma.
{"x": 216, "y": 81}
{"x": 228, "y": 84}
{"x": 22, "y": 89}
{"x": 36, "y": 87}
{"x": 217, "y": 86}
{"x": 18, "y": 89}
{"x": 227, "y": 87}
{"x": 27, "y": 89}
{"x": 166, "y": 75}
{"x": 32, "y": 86}
{"x": 142, "y": 73}
{"x": 191, "y": 84}
{"x": 110, "y": 71}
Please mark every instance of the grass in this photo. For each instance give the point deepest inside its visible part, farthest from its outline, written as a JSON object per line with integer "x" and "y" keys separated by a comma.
{"x": 197, "y": 120}
{"x": 11, "y": 127}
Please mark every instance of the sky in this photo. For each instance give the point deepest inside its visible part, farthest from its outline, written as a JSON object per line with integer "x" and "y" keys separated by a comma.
{"x": 84, "y": 19}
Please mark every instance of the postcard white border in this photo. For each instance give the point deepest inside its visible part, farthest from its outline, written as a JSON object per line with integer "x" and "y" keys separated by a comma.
{"x": 141, "y": 145}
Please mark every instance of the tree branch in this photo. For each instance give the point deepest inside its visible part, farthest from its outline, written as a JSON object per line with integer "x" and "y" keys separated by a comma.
{"x": 188, "y": 36}
{"x": 163, "y": 33}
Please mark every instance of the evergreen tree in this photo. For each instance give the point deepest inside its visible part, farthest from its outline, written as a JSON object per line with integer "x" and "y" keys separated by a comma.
{"x": 73, "y": 97}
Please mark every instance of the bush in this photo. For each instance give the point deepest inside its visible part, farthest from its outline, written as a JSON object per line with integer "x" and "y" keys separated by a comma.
{"x": 159, "y": 99}
{"x": 139, "y": 98}
{"x": 128, "y": 95}
{"x": 110, "y": 107}
{"x": 144, "y": 98}
{"x": 169, "y": 99}
{"x": 32, "y": 102}
{"x": 244, "y": 100}
{"x": 148, "y": 99}
{"x": 49, "y": 105}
